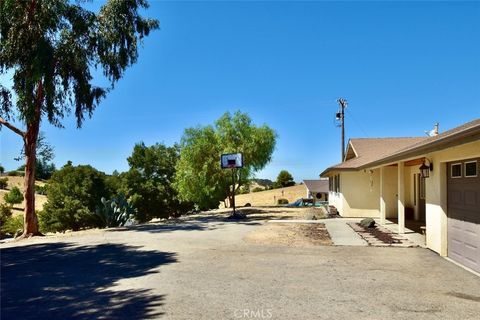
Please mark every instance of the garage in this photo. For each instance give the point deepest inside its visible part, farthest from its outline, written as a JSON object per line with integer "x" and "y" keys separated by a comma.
{"x": 464, "y": 212}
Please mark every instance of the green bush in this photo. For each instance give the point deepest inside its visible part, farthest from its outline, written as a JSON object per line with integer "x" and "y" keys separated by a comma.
{"x": 16, "y": 173}
{"x": 115, "y": 212}
{"x": 257, "y": 189}
{"x": 5, "y": 213}
{"x": 73, "y": 195}
{"x": 282, "y": 201}
{"x": 12, "y": 225}
{"x": 15, "y": 196}
{"x": 41, "y": 189}
{"x": 3, "y": 183}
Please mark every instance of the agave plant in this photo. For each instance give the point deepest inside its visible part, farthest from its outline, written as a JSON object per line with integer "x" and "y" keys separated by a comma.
{"x": 115, "y": 212}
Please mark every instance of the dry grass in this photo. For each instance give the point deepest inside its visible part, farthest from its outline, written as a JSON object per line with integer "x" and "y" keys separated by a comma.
{"x": 270, "y": 197}
{"x": 40, "y": 200}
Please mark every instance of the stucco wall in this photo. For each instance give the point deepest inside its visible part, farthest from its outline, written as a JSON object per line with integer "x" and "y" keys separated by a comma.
{"x": 359, "y": 194}
{"x": 336, "y": 199}
{"x": 390, "y": 191}
{"x": 436, "y": 193}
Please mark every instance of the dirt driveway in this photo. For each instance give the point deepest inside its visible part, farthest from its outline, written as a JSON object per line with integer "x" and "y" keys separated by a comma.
{"x": 204, "y": 268}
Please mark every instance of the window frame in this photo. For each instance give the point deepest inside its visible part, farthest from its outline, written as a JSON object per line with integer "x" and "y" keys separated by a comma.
{"x": 465, "y": 169}
{"x": 461, "y": 170}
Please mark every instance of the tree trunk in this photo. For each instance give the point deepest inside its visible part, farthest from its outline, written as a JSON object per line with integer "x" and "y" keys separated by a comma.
{"x": 30, "y": 140}
{"x": 30, "y": 219}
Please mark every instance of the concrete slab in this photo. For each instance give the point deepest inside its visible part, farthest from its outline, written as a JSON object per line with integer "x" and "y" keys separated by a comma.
{"x": 204, "y": 269}
{"x": 416, "y": 238}
{"x": 342, "y": 234}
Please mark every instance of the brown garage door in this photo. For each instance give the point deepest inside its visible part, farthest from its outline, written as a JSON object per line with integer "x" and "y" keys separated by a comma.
{"x": 464, "y": 212}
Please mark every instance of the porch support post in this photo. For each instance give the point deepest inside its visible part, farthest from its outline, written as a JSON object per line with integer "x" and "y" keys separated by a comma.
{"x": 401, "y": 197}
{"x": 382, "y": 199}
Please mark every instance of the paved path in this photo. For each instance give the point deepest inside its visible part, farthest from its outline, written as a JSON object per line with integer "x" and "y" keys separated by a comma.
{"x": 204, "y": 270}
{"x": 342, "y": 234}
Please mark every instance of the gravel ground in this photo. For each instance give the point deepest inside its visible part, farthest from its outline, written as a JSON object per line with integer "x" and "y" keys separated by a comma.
{"x": 203, "y": 269}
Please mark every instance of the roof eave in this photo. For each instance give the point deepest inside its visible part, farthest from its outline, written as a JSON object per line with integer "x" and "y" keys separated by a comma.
{"x": 469, "y": 135}
{"x": 333, "y": 169}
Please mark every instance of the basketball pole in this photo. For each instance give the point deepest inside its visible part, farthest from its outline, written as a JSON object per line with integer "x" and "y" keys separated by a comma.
{"x": 233, "y": 189}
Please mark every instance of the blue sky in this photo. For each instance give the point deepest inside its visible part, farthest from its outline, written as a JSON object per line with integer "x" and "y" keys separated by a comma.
{"x": 402, "y": 66}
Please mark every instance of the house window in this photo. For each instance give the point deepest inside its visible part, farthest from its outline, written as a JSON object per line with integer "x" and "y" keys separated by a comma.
{"x": 456, "y": 170}
{"x": 330, "y": 184}
{"x": 337, "y": 188}
{"x": 471, "y": 169}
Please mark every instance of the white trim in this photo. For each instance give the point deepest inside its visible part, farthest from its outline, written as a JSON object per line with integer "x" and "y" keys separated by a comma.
{"x": 465, "y": 169}
{"x": 461, "y": 170}
{"x": 462, "y": 266}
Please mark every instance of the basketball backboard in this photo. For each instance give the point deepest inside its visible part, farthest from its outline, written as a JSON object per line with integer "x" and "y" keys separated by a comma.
{"x": 231, "y": 160}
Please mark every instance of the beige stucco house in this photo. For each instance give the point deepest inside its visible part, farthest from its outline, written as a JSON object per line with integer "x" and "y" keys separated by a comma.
{"x": 381, "y": 178}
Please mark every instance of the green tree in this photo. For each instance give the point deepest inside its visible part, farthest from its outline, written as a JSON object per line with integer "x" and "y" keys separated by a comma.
{"x": 148, "y": 183}
{"x": 284, "y": 179}
{"x": 14, "y": 196}
{"x": 51, "y": 48}
{"x": 74, "y": 192}
{"x": 199, "y": 177}
{"x": 2, "y": 169}
{"x": 44, "y": 168}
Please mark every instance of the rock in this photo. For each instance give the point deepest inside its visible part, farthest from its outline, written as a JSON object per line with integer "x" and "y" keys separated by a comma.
{"x": 367, "y": 223}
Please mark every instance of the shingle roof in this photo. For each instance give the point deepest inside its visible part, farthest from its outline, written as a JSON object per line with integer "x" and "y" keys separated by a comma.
{"x": 317, "y": 185}
{"x": 374, "y": 152}
{"x": 372, "y": 149}
{"x": 465, "y": 133}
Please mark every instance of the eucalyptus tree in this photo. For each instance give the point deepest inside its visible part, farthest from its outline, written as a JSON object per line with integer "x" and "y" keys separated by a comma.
{"x": 52, "y": 49}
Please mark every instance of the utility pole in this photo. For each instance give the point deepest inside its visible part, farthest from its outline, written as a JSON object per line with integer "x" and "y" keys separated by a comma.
{"x": 340, "y": 116}
{"x": 233, "y": 190}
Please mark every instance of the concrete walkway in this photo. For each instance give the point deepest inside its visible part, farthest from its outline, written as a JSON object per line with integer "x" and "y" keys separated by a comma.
{"x": 341, "y": 233}
{"x": 415, "y": 237}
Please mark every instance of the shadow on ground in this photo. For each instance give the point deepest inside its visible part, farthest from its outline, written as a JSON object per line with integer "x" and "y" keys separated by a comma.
{"x": 190, "y": 223}
{"x": 66, "y": 281}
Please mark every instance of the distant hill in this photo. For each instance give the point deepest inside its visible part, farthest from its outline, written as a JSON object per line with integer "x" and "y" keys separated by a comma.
{"x": 263, "y": 182}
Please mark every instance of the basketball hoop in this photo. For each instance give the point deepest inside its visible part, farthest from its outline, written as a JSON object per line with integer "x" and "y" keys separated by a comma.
{"x": 231, "y": 161}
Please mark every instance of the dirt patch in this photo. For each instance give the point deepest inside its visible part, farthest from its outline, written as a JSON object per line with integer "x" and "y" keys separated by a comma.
{"x": 290, "y": 234}
{"x": 275, "y": 213}
{"x": 380, "y": 236}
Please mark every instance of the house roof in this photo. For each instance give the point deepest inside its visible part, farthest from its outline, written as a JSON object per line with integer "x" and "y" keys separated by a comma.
{"x": 316, "y": 185}
{"x": 371, "y": 149}
{"x": 465, "y": 133}
{"x": 376, "y": 152}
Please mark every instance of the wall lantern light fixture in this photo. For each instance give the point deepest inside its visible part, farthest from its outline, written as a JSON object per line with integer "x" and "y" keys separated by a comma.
{"x": 425, "y": 169}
